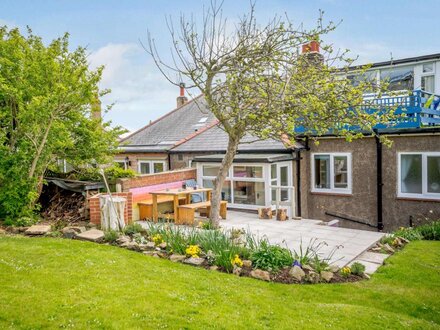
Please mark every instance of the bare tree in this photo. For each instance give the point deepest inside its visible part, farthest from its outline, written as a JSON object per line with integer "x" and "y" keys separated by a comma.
{"x": 255, "y": 81}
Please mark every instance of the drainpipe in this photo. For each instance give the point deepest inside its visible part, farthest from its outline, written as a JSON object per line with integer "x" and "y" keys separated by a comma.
{"x": 298, "y": 182}
{"x": 169, "y": 162}
{"x": 379, "y": 181}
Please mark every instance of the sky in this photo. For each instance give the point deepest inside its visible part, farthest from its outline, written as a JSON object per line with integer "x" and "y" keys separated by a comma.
{"x": 113, "y": 32}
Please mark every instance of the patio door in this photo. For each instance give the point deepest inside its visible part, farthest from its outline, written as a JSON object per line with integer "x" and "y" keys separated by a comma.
{"x": 281, "y": 187}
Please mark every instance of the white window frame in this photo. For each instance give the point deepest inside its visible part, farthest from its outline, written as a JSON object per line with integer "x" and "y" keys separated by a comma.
{"x": 332, "y": 189}
{"x": 425, "y": 194}
{"x": 232, "y": 179}
{"x": 151, "y": 162}
{"x": 121, "y": 161}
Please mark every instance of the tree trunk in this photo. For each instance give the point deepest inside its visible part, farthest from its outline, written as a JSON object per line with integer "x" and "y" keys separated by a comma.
{"x": 220, "y": 179}
{"x": 40, "y": 149}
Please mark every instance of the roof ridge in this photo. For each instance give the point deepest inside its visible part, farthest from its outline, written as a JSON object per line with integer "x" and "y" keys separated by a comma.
{"x": 196, "y": 133}
{"x": 160, "y": 118}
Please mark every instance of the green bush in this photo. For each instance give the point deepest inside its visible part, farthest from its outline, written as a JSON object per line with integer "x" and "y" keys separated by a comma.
{"x": 271, "y": 257}
{"x": 357, "y": 268}
{"x": 430, "y": 231}
{"x": 411, "y": 234}
{"x": 111, "y": 173}
{"x": 111, "y": 236}
{"x": 133, "y": 228}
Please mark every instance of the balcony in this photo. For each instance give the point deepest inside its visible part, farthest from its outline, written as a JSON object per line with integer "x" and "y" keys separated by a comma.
{"x": 418, "y": 110}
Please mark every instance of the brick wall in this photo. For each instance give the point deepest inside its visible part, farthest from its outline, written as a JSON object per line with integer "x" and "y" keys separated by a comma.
{"x": 158, "y": 178}
{"x": 95, "y": 211}
{"x": 146, "y": 180}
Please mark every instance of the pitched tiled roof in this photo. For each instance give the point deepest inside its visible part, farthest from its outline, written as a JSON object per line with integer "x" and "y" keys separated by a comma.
{"x": 215, "y": 139}
{"x": 171, "y": 129}
{"x": 189, "y": 128}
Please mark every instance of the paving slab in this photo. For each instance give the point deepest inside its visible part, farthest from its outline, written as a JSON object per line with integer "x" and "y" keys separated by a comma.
{"x": 290, "y": 233}
{"x": 92, "y": 235}
{"x": 377, "y": 258}
{"x": 37, "y": 230}
{"x": 370, "y": 267}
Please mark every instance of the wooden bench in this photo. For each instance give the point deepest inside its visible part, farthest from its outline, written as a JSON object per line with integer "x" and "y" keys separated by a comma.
{"x": 187, "y": 211}
{"x": 146, "y": 206}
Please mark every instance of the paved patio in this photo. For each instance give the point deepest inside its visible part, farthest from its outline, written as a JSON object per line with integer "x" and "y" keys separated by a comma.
{"x": 352, "y": 242}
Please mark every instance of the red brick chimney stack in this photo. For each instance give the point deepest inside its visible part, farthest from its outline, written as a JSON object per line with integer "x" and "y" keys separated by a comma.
{"x": 181, "y": 99}
{"x": 311, "y": 51}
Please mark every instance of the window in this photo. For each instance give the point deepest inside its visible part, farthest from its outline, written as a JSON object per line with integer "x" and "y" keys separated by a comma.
{"x": 151, "y": 166}
{"x": 209, "y": 173}
{"x": 248, "y": 171}
{"x": 245, "y": 184}
{"x": 419, "y": 175}
{"x": 331, "y": 173}
{"x": 428, "y": 78}
{"x": 369, "y": 78}
{"x": 144, "y": 167}
{"x": 121, "y": 163}
{"x": 398, "y": 78}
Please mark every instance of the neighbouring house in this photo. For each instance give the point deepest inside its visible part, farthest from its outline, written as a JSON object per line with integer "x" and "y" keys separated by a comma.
{"x": 363, "y": 183}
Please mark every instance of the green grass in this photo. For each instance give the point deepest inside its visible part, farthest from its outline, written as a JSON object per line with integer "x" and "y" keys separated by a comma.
{"x": 53, "y": 283}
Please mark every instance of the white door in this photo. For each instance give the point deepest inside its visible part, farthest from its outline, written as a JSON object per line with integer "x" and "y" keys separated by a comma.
{"x": 281, "y": 187}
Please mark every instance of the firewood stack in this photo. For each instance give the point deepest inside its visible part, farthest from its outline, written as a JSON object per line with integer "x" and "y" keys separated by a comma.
{"x": 66, "y": 206}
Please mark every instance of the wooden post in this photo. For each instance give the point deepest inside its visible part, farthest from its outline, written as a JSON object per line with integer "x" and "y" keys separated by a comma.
{"x": 154, "y": 207}
{"x": 176, "y": 205}
{"x": 265, "y": 213}
{"x": 282, "y": 214}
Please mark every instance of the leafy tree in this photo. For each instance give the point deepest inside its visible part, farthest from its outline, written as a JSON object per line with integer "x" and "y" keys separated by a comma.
{"x": 47, "y": 96}
{"x": 255, "y": 80}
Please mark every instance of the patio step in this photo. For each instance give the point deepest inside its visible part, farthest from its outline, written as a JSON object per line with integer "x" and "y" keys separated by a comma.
{"x": 371, "y": 260}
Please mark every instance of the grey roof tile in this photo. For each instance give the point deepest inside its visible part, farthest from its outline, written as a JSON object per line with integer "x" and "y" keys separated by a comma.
{"x": 172, "y": 127}
{"x": 216, "y": 139}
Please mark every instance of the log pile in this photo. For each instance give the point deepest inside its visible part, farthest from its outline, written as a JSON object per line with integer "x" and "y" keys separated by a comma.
{"x": 60, "y": 205}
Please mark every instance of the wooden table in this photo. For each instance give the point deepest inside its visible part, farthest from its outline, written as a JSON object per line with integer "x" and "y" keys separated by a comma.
{"x": 176, "y": 193}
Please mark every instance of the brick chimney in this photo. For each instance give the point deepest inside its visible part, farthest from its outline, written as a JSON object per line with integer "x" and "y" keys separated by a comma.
{"x": 311, "y": 52}
{"x": 181, "y": 99}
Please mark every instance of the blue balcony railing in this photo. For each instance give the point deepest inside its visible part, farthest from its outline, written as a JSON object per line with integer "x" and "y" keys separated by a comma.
{"x": 418, "y": 110}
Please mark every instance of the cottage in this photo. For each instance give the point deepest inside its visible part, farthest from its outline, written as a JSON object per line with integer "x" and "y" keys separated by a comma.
{"x": 364, "y": 184}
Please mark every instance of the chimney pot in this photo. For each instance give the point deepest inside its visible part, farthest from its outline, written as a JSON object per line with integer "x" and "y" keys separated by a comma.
{"x": 312, "y": 46}
{"x": 181, "y": 99}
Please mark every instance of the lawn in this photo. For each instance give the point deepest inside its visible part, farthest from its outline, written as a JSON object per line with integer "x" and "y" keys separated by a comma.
{"x": 53, "y": 283}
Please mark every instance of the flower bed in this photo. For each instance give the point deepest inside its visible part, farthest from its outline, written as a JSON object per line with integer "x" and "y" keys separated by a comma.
{"x": 235, "y": 251}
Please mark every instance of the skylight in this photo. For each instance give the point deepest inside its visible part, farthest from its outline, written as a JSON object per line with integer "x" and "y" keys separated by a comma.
{"x": 203, "y": 120}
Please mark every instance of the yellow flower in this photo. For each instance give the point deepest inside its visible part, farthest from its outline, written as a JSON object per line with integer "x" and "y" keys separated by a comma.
{"x": 200, "y": 224}
{"x": 345, "y": 271}
{"x": 237, "y": 261}
{"x": 193, "y": 251}
{"x": 157, "y": 239}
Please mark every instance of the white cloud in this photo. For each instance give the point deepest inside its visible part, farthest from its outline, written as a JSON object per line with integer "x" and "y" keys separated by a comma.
{"x": 139, "y": 91}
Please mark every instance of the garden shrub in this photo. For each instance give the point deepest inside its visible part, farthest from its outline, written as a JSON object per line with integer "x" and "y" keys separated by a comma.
{"x": 133, "y": 228}
{"x": 430, "y": 231}
{"x": 271, "y": 257}
{"x": 411, "y": 234}
{"x": 357, "y": 268}
{"x": 111, "y": 236}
